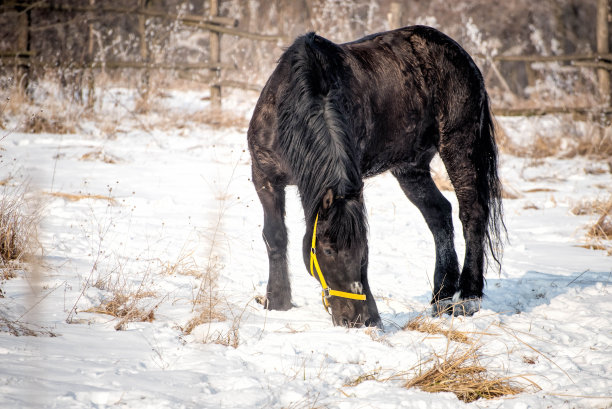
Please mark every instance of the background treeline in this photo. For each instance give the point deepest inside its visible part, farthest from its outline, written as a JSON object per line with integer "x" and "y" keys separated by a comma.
{"x": 76, "y": 42}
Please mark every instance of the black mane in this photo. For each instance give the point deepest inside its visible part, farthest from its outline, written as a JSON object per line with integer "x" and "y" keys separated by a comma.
{"x": 315, "y": 139}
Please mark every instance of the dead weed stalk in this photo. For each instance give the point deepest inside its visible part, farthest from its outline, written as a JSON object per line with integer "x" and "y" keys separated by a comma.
{"x": 229, "y": 337}
{"x": 20, "y": 329}
{"x": 206, "y": 301}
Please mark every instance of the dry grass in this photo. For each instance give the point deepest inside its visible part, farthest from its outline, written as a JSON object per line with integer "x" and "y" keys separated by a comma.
{"x": 20, "y": 329}
{"x": 101, "y": 156}
{"x": 42, "y": 123}
{"x": 442, "y": 181}
{"x": 434, "y": 326}
{"x": 74, "y": 197}
{"x": 589, "y": 207}
{"x": 540, "y": 190}
{"x": 599, "y": 233}
{"x": 228, "y": 337}
{"x": 461, "y": 373}
{"x": 127, "y": 303}
{"x": 160, "y": 118}
{"x": 206, "y": 301}
{"x": 576, "y": 138}
{"x": 47, "y": 113}
{"x": 540, "y": 147}
{"x": 220, "y": 119}
{"x": 231, "y": 338}
{"x": 185, "y": 264}
{"x": 510, "y": 192}
{"x": 602, "y": 229}
{"x": 19, "y": 220}
{"x": 130, "y": 303}
{"x": 374, "y": 375}
{"x": 206, "y": 315}
{"x": 597, "y": 142}
{"x": 125, "y": 307}
{"x": 307, "y": 402}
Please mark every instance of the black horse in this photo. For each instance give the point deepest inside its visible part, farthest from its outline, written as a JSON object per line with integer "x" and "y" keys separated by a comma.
{"x": 333, "y": 114}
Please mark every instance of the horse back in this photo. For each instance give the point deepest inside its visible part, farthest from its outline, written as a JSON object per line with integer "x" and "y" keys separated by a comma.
{"x": 401, "y": 89}
{"x": 413, "y": 84}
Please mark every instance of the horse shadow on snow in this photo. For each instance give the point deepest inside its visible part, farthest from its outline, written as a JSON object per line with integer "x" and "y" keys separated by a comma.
{"x": 511, "y": 296}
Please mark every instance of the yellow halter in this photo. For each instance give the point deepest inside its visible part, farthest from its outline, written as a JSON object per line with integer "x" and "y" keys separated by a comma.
{"x": 314, "y": 265}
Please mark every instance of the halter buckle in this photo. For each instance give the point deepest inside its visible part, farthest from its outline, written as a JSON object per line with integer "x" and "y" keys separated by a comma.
{"x": 326, "y": 293}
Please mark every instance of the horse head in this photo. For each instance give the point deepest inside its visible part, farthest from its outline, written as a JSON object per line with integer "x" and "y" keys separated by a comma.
{"x": 336, "y": 253}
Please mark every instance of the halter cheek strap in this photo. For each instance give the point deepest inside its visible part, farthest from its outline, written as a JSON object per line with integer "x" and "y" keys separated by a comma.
{"x": 314, "y": 265}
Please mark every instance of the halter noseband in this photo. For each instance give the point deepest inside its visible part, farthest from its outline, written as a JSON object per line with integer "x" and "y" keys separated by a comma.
{"x": 314, "y": 265}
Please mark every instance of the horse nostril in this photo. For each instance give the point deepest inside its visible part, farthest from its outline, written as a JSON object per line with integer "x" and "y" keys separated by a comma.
{"x": 345, "y": 321}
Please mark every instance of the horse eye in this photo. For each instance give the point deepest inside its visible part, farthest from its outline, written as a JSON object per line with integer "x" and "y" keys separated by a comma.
{"x": 327, "y": 252}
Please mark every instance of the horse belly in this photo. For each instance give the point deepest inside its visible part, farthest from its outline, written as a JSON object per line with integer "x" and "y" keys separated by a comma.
{"x": 409, "y": 145}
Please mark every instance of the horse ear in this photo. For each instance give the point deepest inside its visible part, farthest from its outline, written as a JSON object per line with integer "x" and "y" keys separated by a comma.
{"x": 328, "y": 199}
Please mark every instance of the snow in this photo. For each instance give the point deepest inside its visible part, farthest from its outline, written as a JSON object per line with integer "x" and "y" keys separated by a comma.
{"x": 184, "y": 197}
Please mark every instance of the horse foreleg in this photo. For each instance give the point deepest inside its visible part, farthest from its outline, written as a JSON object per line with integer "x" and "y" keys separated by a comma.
{"x": 374, "y": 318}
{"x": 272, "y": 197}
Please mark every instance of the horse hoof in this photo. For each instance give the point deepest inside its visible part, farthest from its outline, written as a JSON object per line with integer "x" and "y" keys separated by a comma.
{"x": 272, "y": 305}
{"x": 456, "y": 306}
{"x": 441, "y": 307}
{"x": 467, "y": 307}
{"x": 377, "y": 323}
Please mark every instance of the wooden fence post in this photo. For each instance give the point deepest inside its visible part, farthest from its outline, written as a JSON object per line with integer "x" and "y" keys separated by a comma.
{"x": 215, "y": 58}
{"x": 22, "y": 68}
{"x": 144, "y": 53}
{"x": 603, "y": 47}
{"x": 89, "y": 74}
{"x": 395, "y": 16}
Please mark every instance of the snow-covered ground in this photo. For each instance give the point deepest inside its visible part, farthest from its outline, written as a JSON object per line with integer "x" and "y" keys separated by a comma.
{"x": 183, "y": 198}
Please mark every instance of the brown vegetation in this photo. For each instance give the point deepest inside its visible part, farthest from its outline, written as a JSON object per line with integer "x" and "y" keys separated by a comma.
{"x": 458, "y": 371}
{"x": 100, "y": 155}
{"x": 20, "y": 329}
{"x": 124, "y": 306}
{"x": 127, "y": 302}
{"x": 461, "y": 373}
{"x": 602, "y": 229}
{"x": 73, "y": 197}
{"x": 599, "y": 234}
{"x": 594, "y": 140}
{"x": 435, "y": 326}
{"x": 18, "y": 227}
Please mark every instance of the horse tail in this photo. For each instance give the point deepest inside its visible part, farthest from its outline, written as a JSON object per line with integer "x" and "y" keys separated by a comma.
{"x": 315, "y": 140}
{"x": 488, "y": 183}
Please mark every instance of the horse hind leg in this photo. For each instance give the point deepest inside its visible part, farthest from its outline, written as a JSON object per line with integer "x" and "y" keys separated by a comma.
{"x": 474, "y": 214}
{"x": 421, "y": 190}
